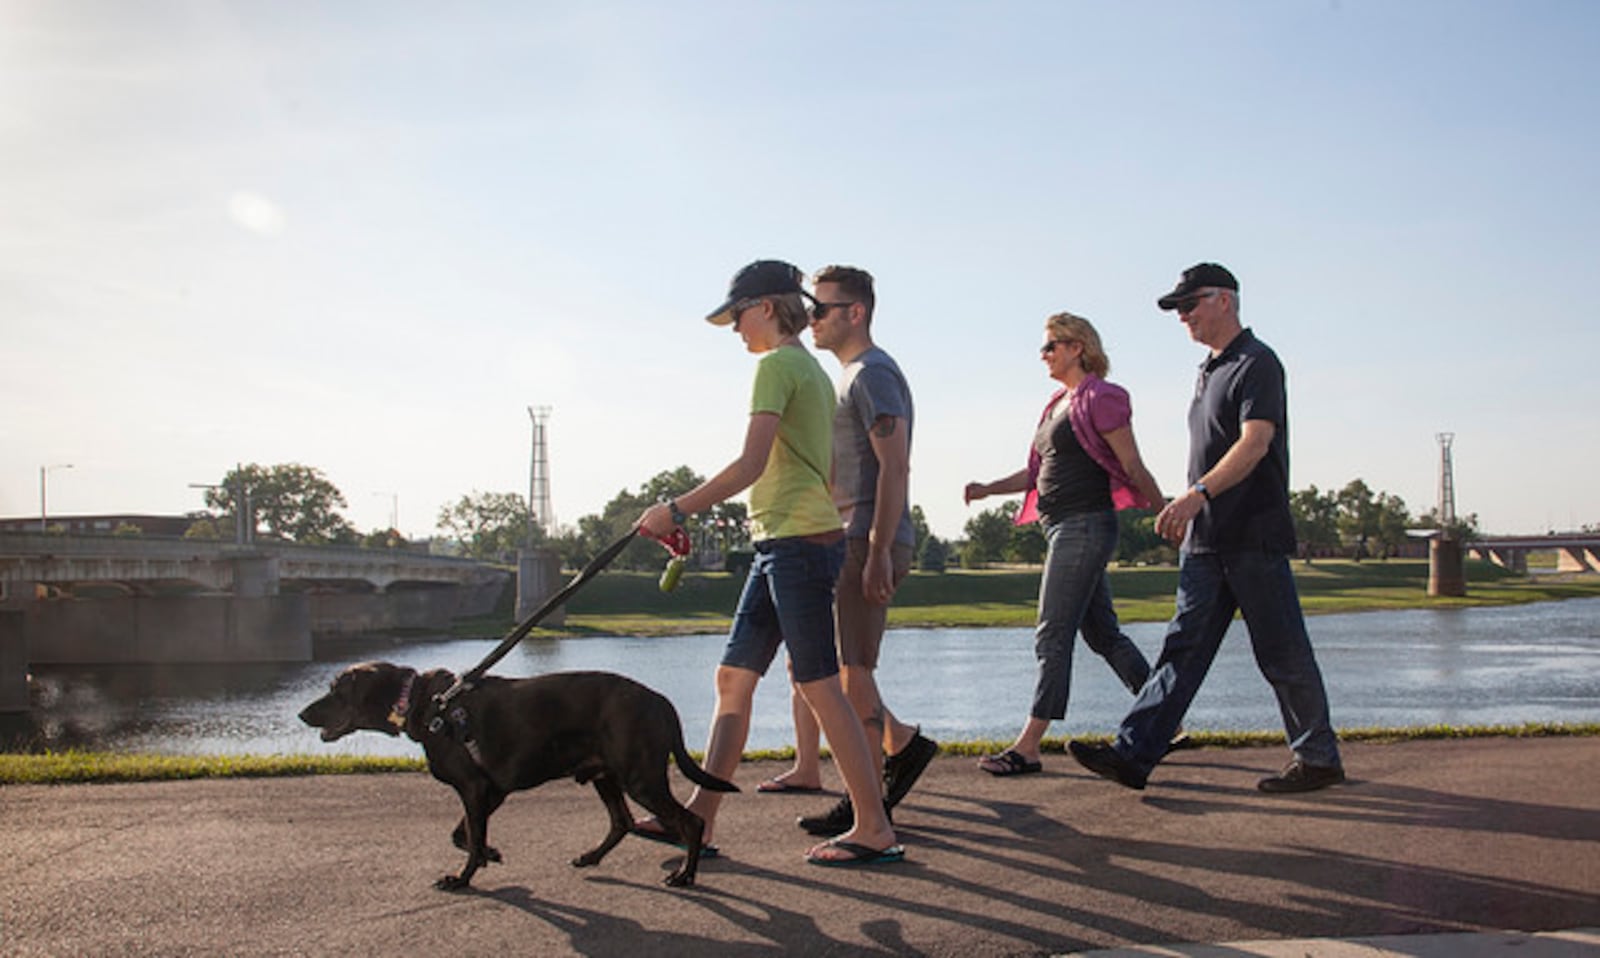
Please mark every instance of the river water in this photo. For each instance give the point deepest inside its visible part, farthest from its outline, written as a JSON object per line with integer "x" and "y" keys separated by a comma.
{"x": 1507, "y": 665}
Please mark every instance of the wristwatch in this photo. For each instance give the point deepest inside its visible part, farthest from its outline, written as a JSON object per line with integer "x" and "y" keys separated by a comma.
{"x": 678, "y": 518}
{"x": 1200, "y": 487}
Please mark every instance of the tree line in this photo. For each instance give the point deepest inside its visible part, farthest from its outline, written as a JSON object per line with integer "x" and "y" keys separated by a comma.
{"x": 1354, "y": 521}
{"x": 297, "y": 503}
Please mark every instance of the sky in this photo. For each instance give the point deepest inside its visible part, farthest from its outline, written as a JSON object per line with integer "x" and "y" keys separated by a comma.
{"x": 367, "y": 236}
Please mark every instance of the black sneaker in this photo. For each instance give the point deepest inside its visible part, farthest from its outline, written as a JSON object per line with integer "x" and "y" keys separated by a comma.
{"x": 835, "y": 821}
{"x": 1105, "y": 761}
{"x": 1297, "y": 776}
{"x": 902, "y": 769}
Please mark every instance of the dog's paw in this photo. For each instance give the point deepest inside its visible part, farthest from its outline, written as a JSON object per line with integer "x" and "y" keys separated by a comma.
{"x": 678, "y": 880}
{"x": 452, "y": 883}
{"x": 586, "y": 860}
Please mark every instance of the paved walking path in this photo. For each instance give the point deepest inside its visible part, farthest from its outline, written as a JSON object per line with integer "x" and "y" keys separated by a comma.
{"x": 1429, "y": 839}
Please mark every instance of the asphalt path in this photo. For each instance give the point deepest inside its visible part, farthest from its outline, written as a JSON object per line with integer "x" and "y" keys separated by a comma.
{"x": 1427, "y": 838}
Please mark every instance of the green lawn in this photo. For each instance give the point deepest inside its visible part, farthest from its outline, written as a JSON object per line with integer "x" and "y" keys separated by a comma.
{"x": 629, "y": 603}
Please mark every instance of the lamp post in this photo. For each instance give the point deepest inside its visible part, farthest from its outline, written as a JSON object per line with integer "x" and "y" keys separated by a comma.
{"x": 43, "y": 514}
{"x": 394, "y": 509}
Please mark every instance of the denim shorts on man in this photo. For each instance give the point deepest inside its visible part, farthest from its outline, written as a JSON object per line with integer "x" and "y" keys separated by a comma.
{"x": 788, "y": 601}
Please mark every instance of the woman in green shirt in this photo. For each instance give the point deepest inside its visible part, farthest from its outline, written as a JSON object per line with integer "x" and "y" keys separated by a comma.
{"x": 799, "y": 547}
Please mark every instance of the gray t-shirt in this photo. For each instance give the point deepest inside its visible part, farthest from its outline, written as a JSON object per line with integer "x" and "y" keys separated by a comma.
{"x": 870, "y": 386}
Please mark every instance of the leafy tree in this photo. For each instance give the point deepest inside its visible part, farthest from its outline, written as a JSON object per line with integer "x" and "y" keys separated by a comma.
{"x": 919, "y": 531}
{"x": 1464, "y": 528}
{"x": 1137, "y": 539}
{"x": 202, "y": 529}
{"x": 1358, "y": 515}
{"x": 383, "y": 539}
{"x": 490, "y": 525}
{"x": 1027, "y": 543}
{"x": 293, "y": 501}
{"x": 1392, "y": 520}
{"x": 988, "y": 535}
{"x": 717, "y": 531}
{"x": 1316, "y": 520}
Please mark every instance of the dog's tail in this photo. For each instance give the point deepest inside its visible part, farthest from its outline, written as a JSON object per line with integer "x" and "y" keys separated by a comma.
{"x": 696, "y": 774}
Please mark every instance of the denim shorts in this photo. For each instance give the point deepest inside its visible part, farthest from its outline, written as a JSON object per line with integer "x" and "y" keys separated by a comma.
{"x": 788, "y": 601}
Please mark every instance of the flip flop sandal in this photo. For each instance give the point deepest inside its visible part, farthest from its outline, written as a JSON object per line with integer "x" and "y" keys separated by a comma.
{"x": 660, "y": 838}
{"x": 1008, "y": 763}
{"x": 773, "y": 786}
{"x": 859, "y": 855}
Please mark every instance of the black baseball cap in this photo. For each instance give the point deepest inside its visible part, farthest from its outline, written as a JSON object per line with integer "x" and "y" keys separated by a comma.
{"x": 764, "y": 277}
{"x": 1195, "y": 278}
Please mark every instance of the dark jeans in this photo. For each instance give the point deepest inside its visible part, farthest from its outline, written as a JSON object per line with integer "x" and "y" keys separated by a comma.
{"x": 788, "y": 601}
{"x": 1211, "y": 587}
{"x": 1074, "y": 595}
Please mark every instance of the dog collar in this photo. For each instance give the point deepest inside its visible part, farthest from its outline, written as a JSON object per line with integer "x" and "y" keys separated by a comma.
{"x": 397, "y": 715}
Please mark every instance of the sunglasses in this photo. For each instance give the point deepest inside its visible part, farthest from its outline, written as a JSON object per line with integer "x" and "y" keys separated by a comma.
{"x": 1050, "y": 347}
{"x": 1188, "y": 304}
{"x": 820, "y": 310}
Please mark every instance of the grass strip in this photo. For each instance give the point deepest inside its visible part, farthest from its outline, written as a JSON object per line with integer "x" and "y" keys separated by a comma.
{"x": 77, "y": 767}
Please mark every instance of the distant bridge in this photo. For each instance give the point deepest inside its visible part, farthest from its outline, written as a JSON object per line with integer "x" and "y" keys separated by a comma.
{"x": 1576, "y": 552}
{"x": 79, "y": 600}
{"x": 136, "y": 565}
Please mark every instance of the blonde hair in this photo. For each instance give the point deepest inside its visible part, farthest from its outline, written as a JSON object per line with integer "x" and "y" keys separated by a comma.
{"x": 790, "y": 310}
{"x": 1093, "y": 359}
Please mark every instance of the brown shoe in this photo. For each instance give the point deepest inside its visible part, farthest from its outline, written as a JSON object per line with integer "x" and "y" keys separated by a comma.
{"x": 1297, "y": 776}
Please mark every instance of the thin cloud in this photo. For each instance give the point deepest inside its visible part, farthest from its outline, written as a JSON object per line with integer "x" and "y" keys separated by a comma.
{"x": 256, "y": 213}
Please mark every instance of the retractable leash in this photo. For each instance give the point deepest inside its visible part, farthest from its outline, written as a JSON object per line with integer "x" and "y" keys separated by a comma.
{"x": 677, "y": 545}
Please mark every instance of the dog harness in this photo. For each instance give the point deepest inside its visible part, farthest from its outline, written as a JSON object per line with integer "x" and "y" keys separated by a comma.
{"x": 454, "y": 721}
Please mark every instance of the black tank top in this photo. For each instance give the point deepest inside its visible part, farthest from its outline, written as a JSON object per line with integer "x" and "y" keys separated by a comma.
{"x": 1070, "y": 482}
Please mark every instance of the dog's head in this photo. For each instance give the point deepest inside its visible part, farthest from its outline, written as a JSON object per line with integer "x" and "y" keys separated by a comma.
{"x": 371, "y": 696}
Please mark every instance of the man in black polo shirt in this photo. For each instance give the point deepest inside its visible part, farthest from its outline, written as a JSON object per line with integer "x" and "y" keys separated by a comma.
{"x": 1235, "y": 555}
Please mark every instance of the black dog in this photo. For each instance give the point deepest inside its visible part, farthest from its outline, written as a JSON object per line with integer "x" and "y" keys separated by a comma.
{"x": 500, "y": 736}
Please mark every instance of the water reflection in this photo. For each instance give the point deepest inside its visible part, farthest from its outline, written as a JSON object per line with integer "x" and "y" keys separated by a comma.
{"x": 1413, "y": 668}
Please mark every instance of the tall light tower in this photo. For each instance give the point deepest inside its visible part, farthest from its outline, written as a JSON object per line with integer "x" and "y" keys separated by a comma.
{"x": 1447, "y": 484}
{"x": 1447, "y": 573}
{"x": 540, "y": 514}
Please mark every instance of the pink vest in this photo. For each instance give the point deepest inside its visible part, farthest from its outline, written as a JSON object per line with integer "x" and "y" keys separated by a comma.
{"x": 1096, "y": 407}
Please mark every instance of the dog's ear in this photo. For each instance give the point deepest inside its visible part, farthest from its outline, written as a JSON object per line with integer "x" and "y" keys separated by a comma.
{"x": 372, "y": 686}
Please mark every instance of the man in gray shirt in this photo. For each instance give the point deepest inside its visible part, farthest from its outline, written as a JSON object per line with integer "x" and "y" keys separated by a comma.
{"x": 871, "y": 462}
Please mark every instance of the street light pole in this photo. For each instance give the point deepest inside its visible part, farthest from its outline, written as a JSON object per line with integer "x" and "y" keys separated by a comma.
{"x": 43, "y": 515}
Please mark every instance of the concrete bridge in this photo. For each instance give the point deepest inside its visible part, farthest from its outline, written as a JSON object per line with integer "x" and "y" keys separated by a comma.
{"x": 1575, "y": 552}
{"x": 75, "y": 600}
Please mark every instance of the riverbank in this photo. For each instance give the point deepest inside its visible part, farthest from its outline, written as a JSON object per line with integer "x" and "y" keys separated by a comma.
{"x": 630, "y": 603}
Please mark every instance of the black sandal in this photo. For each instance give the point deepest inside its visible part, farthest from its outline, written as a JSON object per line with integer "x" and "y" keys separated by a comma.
{"x": 1010, "y": 763}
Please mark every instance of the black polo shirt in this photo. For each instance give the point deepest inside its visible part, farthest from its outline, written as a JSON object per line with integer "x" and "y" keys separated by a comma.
{"x": 1245, "y": 381}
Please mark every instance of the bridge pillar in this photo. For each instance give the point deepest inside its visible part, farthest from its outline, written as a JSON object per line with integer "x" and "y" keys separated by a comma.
{"x": 255, "y": 576}
{"x": 1515, "y": 560}
{"x": 538, "y": 578}
{"x": 13, "y": 662}
{"x": 1577, "y": 559}
{"x": 1447, "y": 574}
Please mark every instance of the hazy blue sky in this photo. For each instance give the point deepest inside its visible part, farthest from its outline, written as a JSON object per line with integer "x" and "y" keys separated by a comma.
{"x": 366, "y": 236}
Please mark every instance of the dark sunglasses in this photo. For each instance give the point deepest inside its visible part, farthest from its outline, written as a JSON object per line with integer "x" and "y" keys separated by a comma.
{"x": 1188, "y": 304}
{"x": 820, "y": 310}
{"x": 1050, "y": 347}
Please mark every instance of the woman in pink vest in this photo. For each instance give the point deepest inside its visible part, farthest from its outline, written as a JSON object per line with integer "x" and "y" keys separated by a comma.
{"x": 1083, "y": 466}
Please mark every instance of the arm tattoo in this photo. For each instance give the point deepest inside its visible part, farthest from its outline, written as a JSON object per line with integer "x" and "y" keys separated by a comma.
{"x": 883, "y": 427}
